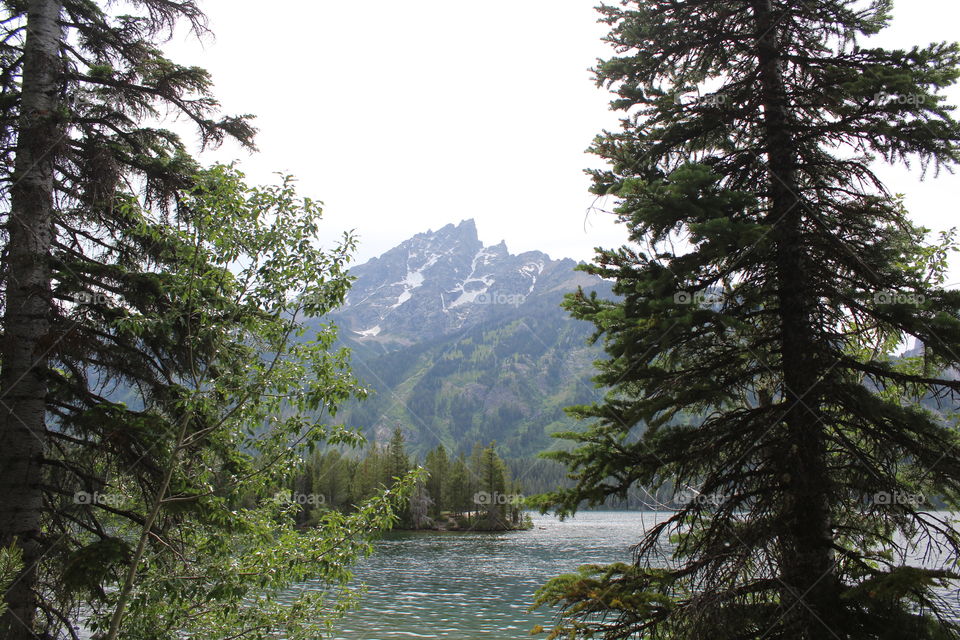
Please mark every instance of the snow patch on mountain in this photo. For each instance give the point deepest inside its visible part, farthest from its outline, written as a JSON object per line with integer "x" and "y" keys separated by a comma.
{"x": 414, "y": 279}
{"x": 440, "y": 282}
{"x": 411, "y": 281}
{"x": 532, "y": 270}
{"x": 469, "y": 294}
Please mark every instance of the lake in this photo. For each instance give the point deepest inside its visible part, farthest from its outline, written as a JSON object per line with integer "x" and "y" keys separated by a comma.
{"x": 473, "y": 586}
{"x": 480, "y": 585}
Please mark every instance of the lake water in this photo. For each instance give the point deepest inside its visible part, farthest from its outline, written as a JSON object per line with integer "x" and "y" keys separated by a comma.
{"x": 480, "y": 585}
{"x": 473, "y": 586}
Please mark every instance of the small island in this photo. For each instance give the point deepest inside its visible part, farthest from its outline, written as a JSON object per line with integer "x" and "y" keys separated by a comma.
{"x": 465, "y": 493}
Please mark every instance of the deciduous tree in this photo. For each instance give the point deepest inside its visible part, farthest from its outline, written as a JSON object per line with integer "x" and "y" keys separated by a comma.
{"x": 78, "y": 86}
{"x": 158, "y": 386}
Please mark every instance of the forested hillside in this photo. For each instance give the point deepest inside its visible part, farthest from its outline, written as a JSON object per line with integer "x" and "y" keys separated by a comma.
{"x": 462, "y": 343}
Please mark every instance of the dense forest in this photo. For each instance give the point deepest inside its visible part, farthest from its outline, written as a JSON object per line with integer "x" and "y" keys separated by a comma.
{"x": 507, "y": 379}
{"x": 472, "y": 492}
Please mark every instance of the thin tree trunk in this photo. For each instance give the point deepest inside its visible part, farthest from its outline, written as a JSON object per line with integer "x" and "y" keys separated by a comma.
{"x": 130, "y": 578}
{"x": 810, "y": 589}
{"x": 26, "y": 318}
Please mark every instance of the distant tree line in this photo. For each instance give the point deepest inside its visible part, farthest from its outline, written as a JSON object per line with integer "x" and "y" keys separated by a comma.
{"x": 474, "y": 491}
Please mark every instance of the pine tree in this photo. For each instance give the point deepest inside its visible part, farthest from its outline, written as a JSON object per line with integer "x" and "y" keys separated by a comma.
{"x": 768, "y": 275}
{"x": 397, "y": 461}
{"x": 76, "y": 84}
{"x": 492, "y": 482}
{"x": 143, "y": 297}
{"x": 396, "y": 466}
{"x": 475, "y": 477}
{"x": 461, "y": 491}
{"x": 438, "y": 482}
{"x": 330, "y": 474}
{"x": 26, "y": 321}
{"x": 338, "y": 489}
{"x": 515, "y": 505}
{"x": 367, "y": 476}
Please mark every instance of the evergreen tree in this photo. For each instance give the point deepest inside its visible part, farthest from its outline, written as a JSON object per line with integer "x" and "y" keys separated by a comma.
{"x": 768, "y": 274}
{"x": 26, "y": 320}
{"x": 76, "y": 83}
{"x": 474, "y": 478}
{"x": 492, "y": 482}
{"x": 514, "y": 508}
{"x": 150, "y": 352}
{"x": 367, "y": 476}
{"x": 397, "y": 461}
{"x": 439, "y": 481}
{"x": 461, "y": 491}
{"x": 330, "y": 476}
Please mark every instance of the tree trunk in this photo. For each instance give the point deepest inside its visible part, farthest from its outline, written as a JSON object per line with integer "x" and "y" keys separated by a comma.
{"x": 26, "y": 317}
{"x": 810, "y": 591}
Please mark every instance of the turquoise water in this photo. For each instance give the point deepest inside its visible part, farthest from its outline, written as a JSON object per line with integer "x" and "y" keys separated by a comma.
{"x": 473, "y": 586}
{"x": 480, "y": 585}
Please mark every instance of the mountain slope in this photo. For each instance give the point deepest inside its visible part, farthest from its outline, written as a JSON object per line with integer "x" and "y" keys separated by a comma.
{"x": 464, "y": 343}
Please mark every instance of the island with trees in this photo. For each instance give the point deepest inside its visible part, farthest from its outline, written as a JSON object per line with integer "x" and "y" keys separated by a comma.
{"x": 472, "y": 492}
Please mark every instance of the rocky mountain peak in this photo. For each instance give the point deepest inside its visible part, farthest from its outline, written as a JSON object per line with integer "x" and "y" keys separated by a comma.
{"x": 442, "y": 281}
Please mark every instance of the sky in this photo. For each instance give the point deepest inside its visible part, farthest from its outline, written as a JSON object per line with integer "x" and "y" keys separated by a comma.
{"x": 406, "y": 116}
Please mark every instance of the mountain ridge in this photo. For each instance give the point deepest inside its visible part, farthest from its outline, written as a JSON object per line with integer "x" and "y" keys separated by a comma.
{"x": 462, "y": 342}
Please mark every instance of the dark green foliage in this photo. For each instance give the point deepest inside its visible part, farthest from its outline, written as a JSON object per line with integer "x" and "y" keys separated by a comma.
{"x": 768, "y": 280}
{"x": 397, "y": 461}
{"x": 111, "y": 183}
{"x": 89, "y": 568}
{"x": 439, "y": 481}
{"x": 477, "y": 494}
{"x": 462, "y": 483}
{"x": 176, "y": 376}
{"x": 506, "y": 380}
{"x": 218, "y": 422}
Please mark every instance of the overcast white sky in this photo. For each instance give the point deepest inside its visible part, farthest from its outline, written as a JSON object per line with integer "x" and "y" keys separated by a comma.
{"x": 405, "y": 116}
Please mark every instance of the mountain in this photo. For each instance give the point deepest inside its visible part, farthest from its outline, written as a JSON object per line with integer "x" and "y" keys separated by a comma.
{"x": 464, "y": 343}
{"x": 441, "y": 282}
